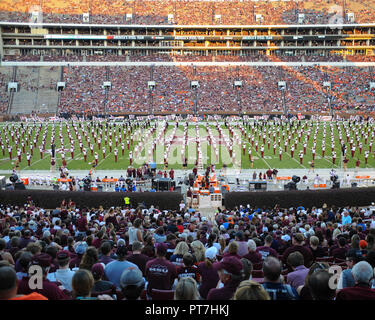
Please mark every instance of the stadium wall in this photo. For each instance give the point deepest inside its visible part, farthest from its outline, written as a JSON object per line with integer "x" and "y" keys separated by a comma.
{"x": 307, "y": 199}
{"x": 52, "y": 199}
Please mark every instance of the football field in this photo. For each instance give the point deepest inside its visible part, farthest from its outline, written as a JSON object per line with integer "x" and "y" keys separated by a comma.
{"x": 204, "y": 142}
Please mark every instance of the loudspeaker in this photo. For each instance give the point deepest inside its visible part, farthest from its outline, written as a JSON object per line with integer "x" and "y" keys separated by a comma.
{"x": 19, "y": 186}
{"x": 296, "y": 179}
{"x": 87, "y": 187}
{"x": 354, "y": 184}
{"x": 56, "y": 187}
{"x": 13, "y": 178}
{"x": 100, "y": 188}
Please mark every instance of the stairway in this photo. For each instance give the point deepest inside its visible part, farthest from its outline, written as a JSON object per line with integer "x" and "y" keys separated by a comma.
{"x": 47, "y": 94}
{"x": 42, "y": 99}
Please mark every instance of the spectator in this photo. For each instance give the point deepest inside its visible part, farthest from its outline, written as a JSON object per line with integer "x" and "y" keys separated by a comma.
{"x": 363, "y": 273}
{"x": 254, "y": 256}
{"x": 297, "y": 245}
{"x": 229, "y": 270}
{"x": 9, "y": 287}
{"x": 160, "y": 273}
{"x": 251, "y": 290}
{"x": 208, "y": 275}
{"x": 186, "y": 289}
{"x": 316, "y": 250}
{"x": 48, "y": 289}
{"x": 297, "y": 277}
{"x": 106, "y": 250}
{"x": 5, "y": 255}
{"x": 188, "y": 269}
{"x": 272, "y": 281}
{"x": 82, "y": 284}
{"x": 132, "y": 284}
{"x": 304, "y": 291}
{"x": 100, "y": 285}
{"x": 114, "y": 269}
{"x": 90, "y": 257}
{"x": 80, "y": 249}
{"x": 320, "y": 287}
{"x": 137, "y": 257}
{"x": 135, "y": 232}
{"x": 266, "y": 250}
{"x": 24, "y": 262}
{"x": 63, "y": 274}
{"x": 198, "y": 251}
{"x": 181, "y": 249}
{"x": 353, "y": 256}
{"x": 341, "y": 250}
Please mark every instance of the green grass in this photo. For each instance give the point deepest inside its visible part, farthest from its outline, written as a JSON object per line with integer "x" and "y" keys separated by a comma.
{"x": 269, "y": 160}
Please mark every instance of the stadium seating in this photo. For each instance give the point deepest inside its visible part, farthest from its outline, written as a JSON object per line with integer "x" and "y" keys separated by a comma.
{"x": 190, "y": 12}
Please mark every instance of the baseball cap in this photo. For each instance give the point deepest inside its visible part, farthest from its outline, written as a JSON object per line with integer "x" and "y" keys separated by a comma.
{"x": 230, "y": 264}
{"x": 161, "y": 248}
{"x": 97, "y": 270}
{"x": 211, "y": 253}
{"x": 363, "y": 244}
{"x": 81, "y": 248}
{"x": 63, "y": 254}
{"x": 131, "y": 277}
{"x": 42, "y": 259}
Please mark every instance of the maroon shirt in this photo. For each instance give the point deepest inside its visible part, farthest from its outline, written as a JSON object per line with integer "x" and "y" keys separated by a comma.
{"x": 192, "y": 272}
{"x": 306, "y": 252}
{"x": 254, "y": 257}
{"x": 140, "y": 260}
{"x": 224, "y": 293}
{"x": 160, "y": 274}
{"x": 50, "y": 290}
{"x": 267, "y": 251}
{"x": 358, "y": 292}
{"x": 81, "y": 224}
{"x": 339, "y": 253}
{"x": 209, "y": 279}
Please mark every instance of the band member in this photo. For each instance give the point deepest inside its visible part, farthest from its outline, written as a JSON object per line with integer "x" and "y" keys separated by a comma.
{"x": 115, "y": 153}
{"x": 84, "y": 154}
{"x": 28, "y": 157}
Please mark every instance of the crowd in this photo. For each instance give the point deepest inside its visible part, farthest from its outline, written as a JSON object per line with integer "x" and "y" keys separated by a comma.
{"x": 350, "y": 89}
{"x": 83, "y": 89}
{"x": 146, "y": 253}
{"x": 5, "y": 77}
{"x": 191, "y": 12}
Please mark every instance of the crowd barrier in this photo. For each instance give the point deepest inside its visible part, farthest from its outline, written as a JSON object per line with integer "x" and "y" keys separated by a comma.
{"x": 52, "y": 199}
{"x": 306, "y": 198}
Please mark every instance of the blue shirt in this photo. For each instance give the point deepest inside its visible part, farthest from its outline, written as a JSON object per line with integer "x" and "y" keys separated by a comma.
{"x": 346, "y": 220}
{"x": 114, "y": 270}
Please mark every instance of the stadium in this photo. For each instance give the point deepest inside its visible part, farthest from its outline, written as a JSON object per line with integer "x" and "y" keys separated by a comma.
{"x": 187, "y": 150}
